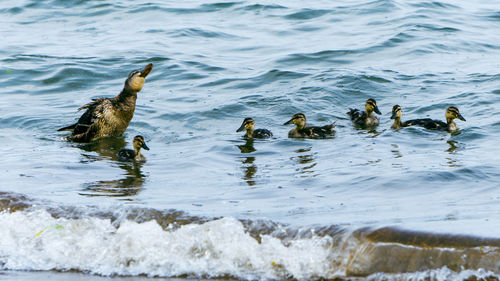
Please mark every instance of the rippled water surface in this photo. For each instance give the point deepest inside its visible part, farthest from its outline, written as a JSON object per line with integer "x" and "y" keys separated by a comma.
{"x": 216, "y": 63}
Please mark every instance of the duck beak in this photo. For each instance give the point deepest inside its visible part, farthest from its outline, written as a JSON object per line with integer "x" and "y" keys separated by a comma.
{"x": 393, "y": 116}
{"x": 461, "y": 117}
{"x": 241, "y": 128}
{"x": 144, "y": 146}
{"x": 288, "y": 122}
{"x": 146, "y": 70}
{"x": 377, "y": 111}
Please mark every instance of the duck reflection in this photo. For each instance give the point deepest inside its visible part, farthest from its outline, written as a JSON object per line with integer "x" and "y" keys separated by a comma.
{"x": 306, "y": 161}
{"x": 452, "y": 150}
{"x": 374, "y": 133}
{"x": 248, "y": 166}
{"x": 133, "y": 178}
{"x": 395, "y": 151}
{"x": 247, "y": 147}
{"x": 453, "y": 146}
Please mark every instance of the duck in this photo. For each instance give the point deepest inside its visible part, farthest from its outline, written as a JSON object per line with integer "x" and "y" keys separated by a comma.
{"x": 311, "y": 132}
{"x": 134, "y": 154}
{"x": 451, "y": 114}
{"x": 396, "y": 116}
{"x": 249, "y": 125}
{"x": 365, "y": 118}
{"x": 109, "y": 117}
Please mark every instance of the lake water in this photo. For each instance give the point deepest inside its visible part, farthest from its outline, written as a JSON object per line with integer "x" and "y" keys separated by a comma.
{"x": 377, "y": 205}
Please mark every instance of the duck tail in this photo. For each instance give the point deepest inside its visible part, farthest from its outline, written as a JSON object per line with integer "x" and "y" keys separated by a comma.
{"x": 68, "y": 128}
{"x": 353, "y": 113}
{"x": 330, "y": 127}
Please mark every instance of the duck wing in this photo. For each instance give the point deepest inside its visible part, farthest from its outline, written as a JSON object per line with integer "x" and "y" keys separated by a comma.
{"x": 427, "y": 123}
{"x": 95, "y": 110}
{"x": 68, "y": 128}
{"x": 316, "y": 131}
{"x": 357, "y": 116}
{"x": 262, "y": 133}
{"x": 126, "y": 154}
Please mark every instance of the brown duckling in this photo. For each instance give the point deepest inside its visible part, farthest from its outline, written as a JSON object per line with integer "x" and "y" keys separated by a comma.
{"x": 431, "y": 124}
{"x": 396, "y": 116}
{"x": 249, "y": 125}
{"x": 135, "y": 154}
{"x": 303, "y": 131}
{"x": 109, "y": 117}
{"x": 365, "y": 118}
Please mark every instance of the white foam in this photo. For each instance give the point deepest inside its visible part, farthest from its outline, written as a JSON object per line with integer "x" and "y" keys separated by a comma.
{"x": 441, "y": 274}
{"x": 34, "y": 240}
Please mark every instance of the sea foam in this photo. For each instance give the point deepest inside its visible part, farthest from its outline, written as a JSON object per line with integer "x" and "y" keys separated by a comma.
{"x": 34, "y": 240}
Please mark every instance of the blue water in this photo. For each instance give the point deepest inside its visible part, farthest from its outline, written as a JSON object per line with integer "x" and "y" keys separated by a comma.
{"x": 216, "y": 63}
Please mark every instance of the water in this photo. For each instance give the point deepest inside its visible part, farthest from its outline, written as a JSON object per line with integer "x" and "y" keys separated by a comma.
{"x": 209, "y": 204}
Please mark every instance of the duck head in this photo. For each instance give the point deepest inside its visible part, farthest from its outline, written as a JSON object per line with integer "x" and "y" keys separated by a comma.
{"x": 298, "y": 119}
{"x": 248, "y": 124}
{"x": 136, "y": 78}
{"x": 371, "y": 106}
{"x": 453, "y": 113}
{"x": 396, "y": 112}
{"x": 139, "y": 143}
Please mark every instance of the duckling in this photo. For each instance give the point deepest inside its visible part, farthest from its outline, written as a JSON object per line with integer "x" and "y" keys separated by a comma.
{"x": 303, "y": 131}
{"x": 249, "y": 125}
{"x": 109, "y": 117}
{"x": 396, "y": 116}
{"x": 365, "y": 118}
{"x": 431, "y": 124}
{"x": 134, "y": 155}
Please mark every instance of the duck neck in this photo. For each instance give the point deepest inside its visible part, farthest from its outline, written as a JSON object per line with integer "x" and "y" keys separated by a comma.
{"x": 249, "y": 133}
{"x": 451, "y": 125}
{"x": 369, "y": 113}
{"x": 125, "y": 104}
{"x": 127, "y": 96}
{"x": 397, "y": 123}
{"x": 137, "y": 152}
{"x": 300, "y": 126}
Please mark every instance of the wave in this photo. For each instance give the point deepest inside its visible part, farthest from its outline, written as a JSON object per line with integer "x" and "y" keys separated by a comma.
{"x": 198, "y": 32}
{"x": 327, "y": 56}
{"x": 259, "y": 7}
{"x": 434, "y": 5}
{"x": 271, "y": 76}
{"x": 495, "y": 16}
{"x": 307, "y": 14}
{"x": 220, "y": 5}
{"x": 131, "y": 241}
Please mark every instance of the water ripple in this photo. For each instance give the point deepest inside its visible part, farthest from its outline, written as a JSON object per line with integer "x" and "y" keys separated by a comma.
{"x": 307, "y": 14}
{"x": 494, "y": 16}
{"x": 220, "y": 5}
{"x": 259, "y": 7}
{"x": 198, "y": 32}
{"x": 434, "y": 5}
{"x": 218, "y": 62}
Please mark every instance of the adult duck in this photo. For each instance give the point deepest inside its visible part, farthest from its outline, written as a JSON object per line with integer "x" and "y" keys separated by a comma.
{"x": 109, "y": 117}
